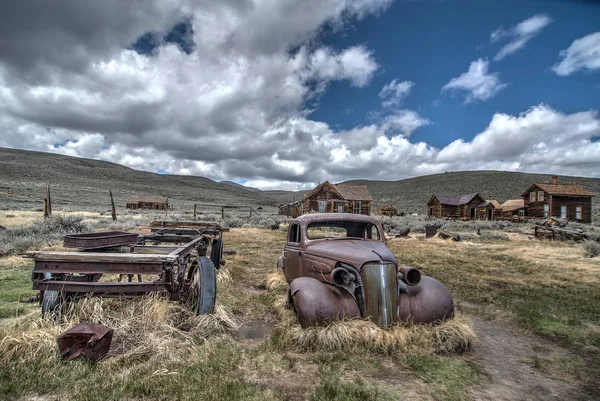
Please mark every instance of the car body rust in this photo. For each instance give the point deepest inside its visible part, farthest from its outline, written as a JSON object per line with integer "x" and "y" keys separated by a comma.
{"x": 339, "y": 267}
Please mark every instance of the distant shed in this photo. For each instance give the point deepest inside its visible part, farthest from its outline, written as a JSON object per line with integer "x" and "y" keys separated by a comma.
{"x": 386, "y": 210}
{"x": 489, "y": 210}
{"x": 463, "y": 207}
{"x": 147, "y": 202}
{"x": 513, "y": 209}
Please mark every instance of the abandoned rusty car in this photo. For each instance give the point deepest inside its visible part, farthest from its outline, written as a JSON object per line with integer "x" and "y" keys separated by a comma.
{"x": 338, "y": 266}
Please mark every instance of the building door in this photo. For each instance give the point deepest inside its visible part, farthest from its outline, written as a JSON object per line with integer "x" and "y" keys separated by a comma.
{"x": 563, "y": 212}
{"x": 340, "y": 208}
{"x": 472, "y": 213}
{"x": 490, "y": 214}
{"x": 321, "y": 206}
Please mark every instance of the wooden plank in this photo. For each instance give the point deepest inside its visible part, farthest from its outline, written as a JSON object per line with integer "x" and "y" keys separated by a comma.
{"x": 153, "y": 249}
{"x": 96, "y": 287}
{"x": 100, "y": 257}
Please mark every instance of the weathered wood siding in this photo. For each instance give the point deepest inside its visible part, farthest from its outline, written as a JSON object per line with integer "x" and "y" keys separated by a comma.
{"x": 434, "y": 208}
{"x": 572, "y": 202}
{"x": 555, "y": 202}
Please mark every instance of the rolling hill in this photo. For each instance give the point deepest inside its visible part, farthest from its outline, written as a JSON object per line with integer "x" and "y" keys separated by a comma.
{"x": 84, "y": 183}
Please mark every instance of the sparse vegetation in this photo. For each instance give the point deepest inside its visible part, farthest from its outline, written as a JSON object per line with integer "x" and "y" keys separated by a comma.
{"x": 160, "y": 351}
{"x": 41, "y": 233}
{"x": 592, "y": 249}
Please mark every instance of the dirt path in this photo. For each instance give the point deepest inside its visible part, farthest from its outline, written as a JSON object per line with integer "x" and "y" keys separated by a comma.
{"x": 521, "y": 366}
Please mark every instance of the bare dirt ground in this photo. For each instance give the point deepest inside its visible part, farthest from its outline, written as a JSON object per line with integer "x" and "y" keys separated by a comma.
{"x": 521, "y": 366}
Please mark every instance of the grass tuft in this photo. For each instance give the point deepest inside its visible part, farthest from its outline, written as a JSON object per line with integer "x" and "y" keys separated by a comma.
{"x": 276, "y": 281}
{"x": 454, "y": 337}
{"x": 148, "y": 328}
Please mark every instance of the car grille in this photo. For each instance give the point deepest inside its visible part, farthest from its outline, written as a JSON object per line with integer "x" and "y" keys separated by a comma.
{"x": 381, "y": 292}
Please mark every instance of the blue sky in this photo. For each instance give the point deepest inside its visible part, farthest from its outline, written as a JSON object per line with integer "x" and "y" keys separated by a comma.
{"x": 430, "y": 42}
{"x": 283, "y": 94}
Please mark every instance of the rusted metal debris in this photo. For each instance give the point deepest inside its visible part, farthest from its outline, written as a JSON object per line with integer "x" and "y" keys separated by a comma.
{"x": 339, "y": 267}
{"x": 448, "y": 235}
{"x": 87, "y": 340}
{"x": 100, "y": 240}
{"x": 431, "y": 230}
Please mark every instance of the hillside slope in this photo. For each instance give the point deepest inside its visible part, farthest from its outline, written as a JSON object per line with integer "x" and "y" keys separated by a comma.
{"x": 84, "y": 183}
{"x": 411, "y": 195}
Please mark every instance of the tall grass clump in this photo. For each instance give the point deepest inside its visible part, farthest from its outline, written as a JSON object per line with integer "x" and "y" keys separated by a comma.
{"x": 592, "y": 249}
{"x": 149, "y": 328}
{"x": 40, "y": 233}
{"x": 454, "y": 336}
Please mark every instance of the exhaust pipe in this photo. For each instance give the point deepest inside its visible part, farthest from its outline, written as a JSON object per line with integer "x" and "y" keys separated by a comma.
{"x": 410, "y": 275}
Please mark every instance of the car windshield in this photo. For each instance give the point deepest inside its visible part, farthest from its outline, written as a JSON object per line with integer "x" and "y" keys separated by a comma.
{"x": 342, "y": 229}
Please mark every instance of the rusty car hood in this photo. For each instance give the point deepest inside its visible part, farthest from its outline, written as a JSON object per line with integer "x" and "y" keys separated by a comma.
{"x": 355, "y": 252}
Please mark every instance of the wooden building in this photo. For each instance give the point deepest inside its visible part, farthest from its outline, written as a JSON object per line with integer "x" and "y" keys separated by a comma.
{"x": 329, "y": 198}
{"x": 147, "y": 202}
{"x": 513, "y": 209}
{"x": 386, "y": 210}
{"x": 463, "y": 207}
{"x": 489, "y": 210}
{"x": 565, "y": 201}
{"x": 290, "y": 209}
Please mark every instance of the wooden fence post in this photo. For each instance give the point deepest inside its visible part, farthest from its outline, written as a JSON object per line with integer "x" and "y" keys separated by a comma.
{"x": 112, "y": 206}
{"x": 223, "y": 212}
{"x": 194, "y": 210}
{"x": 47, "y": 203}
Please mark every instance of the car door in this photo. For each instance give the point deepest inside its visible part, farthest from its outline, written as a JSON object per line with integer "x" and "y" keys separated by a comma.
{"x": 292, "y": 264}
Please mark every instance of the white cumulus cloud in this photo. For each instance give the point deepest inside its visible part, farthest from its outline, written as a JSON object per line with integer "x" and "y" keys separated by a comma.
{"x": 477, "y": 82}
{"x": 394, "y": 92}
{"x": 519, "y": 35}
{"x": 583, "y": 54}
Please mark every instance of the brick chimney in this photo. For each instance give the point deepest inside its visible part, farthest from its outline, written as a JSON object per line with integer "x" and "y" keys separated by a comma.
{"x": 555, "y": 180}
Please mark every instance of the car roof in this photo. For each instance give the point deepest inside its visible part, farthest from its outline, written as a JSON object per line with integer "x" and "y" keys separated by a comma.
{"x": 315, "y": 217}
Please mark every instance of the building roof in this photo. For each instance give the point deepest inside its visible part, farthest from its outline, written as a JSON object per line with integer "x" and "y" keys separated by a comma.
{"x": 354, "y": 192}
{"x": 456, "y": 200}
{"x": 387, "y": 206}
{"x": 147, "y": 198}
{"x": 344, "y": 192}
{"x": 494, "y": 203}
{"x": 512, "y": 204}
{"x": 562, "y": 189}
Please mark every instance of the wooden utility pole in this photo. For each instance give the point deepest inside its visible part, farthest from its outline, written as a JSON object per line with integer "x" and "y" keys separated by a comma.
{"x": 47, "y": 202}
{"x": 112, "y": 205}
{"x": 194, "y": 210}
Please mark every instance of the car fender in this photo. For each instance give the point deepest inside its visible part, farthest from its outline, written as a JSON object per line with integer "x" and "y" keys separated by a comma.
{"x": 427, "y": 302}
{"x": 317, "y": 303}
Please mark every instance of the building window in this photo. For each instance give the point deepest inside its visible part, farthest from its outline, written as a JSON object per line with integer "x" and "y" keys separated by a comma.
{"x": 578, "y": 212}
{"x": 563, "y": 212}
{"x": 540, "y": 196}
{"x": 521, "y": 213}
{"x": 546, "y": 210}
{"x": 356, "y": 207}
{"x": 340, "y": 209}
{"x": 532, "y": 197}
{"x": 321, "y": 206}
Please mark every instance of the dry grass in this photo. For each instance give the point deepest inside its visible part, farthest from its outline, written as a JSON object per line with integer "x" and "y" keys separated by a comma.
{"x": 144, "y": 329}
{"x": 453, "y": 336}
{"x": 276, "y": 281}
